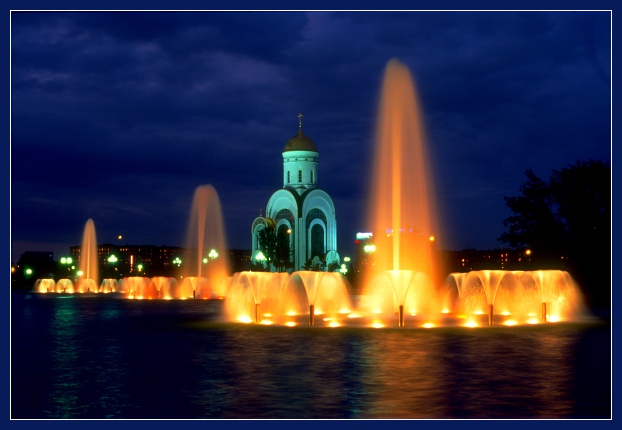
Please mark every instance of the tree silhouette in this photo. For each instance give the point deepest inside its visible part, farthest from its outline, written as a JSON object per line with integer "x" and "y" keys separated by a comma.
{"x": 569, "y": 216}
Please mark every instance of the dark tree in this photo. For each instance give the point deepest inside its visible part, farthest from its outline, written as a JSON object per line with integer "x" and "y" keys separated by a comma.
{"x": 534, "y": 224}
{"x": 275, "y": 247}
{"x": 283, "y": 260}
{"x": 569, "y": 217}
{"x": 268, "y": 243}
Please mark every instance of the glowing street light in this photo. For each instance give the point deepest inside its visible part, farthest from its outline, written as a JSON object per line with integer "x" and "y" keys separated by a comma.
{"x": 260, "y": 257}
{"x": 177, "y": 261}
{"x": 369, "y": 248}
{"x": 213, "y": 254}
{"x": 113, "y": 259}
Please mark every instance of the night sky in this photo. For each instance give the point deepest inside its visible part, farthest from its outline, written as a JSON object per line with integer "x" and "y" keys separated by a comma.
{"x": 119, "y": 116}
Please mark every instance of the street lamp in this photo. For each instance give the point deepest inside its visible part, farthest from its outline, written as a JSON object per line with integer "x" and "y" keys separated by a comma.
{"x": 213, "y": 254}
{"x": 177, "y": 261}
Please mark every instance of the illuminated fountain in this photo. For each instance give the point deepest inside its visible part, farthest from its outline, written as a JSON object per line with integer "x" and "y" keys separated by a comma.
{"x": 403, "y": 278}
{"x": 163, "y": 286}
{"x": 108, "y": 286}
{"x": 402, "y": 213}
{"x": 46, "y": 285}
{"x": 285, "y": 298}
{"x": 253, "y": 296}
{"x": 324, "y": 293}
{"x": 206, "y": 238}
{"x": 89, "y": 266}
{"x": 64, "y": 286}
{"x": 134, "y": 287}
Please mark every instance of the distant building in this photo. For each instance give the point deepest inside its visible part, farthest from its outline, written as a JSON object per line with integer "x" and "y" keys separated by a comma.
{"x": 302, "y": 214}
{"x": 134, "y": 259}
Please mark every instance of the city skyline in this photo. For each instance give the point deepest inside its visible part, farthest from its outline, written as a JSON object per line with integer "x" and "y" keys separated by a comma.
{"x": 119, "y": 116}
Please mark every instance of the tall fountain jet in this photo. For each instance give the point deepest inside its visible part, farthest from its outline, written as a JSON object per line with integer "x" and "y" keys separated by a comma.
{"x": 89, "y": 265}
{"x": 206, "y": 237}
{"x": 402, "y": 210}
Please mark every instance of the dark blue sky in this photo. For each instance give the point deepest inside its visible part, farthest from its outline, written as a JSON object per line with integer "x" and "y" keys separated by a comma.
{"x": 119, "y": 116}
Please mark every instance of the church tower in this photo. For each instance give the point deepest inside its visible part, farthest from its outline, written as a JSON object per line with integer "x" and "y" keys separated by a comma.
{"x": 302, "y": 214}
{"x": 300, "y": 162}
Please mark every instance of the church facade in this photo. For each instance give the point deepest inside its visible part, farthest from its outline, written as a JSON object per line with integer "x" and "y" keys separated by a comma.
{"x": 301, "y": 213}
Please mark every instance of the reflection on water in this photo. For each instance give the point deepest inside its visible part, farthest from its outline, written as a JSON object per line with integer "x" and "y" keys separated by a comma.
{"x": 107, "y": 358}
{"x": 65, "y": 355}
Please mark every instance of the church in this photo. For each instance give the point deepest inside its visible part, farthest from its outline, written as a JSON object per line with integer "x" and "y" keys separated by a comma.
{"x": 300, "y": 212}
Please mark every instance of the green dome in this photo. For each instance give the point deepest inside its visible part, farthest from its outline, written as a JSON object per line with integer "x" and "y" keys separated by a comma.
{"x": 300, "y": 142}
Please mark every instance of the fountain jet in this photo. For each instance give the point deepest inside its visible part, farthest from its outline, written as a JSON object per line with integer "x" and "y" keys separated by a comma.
{"x": 207, "y": 239}
{"x": 402, "y": 212}
{"x": 88, "y": 259}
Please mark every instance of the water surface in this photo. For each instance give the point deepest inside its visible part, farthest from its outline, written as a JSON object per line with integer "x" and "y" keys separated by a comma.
{"x": 102, "y": 357}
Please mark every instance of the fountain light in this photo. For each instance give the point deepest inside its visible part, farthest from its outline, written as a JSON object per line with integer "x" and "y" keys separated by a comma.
{"x": 510, "y": 322}
{"x": 245, "y": 319}
{"x": 478, "y": 312}
{"x": 377, "y": 324}
{"x": 445, "y": 311}
{"x": 334, "y": 324}
{"x": 505, "y": 313}
{"x": 428, "y": 325}
{"x": 471, "y": 323}
{"x": 554, "y": 319}
{"x": 291, "y": 314}
{"x": 353, "y": 315}
{"x": 290, "y": 324}
{"x": 267, "y": 315}
{"x": 266, "y": 322}
{"x": 532, "y": 321}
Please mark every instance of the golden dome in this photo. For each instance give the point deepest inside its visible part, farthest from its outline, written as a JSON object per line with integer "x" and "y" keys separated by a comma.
{"x": 300, "y": 142}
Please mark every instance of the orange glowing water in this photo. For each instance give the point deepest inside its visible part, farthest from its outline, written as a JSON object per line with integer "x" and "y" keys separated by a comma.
{"x": 206, "y": 234}
{"x": 89, "y": 265}
{"x": 402, "y": 211}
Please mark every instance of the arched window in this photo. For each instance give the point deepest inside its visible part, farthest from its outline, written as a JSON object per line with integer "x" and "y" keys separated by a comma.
{"x": 300, "y": 176}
